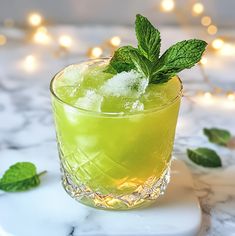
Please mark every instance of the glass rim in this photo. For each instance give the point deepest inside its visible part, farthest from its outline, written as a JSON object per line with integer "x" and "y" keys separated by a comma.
{"x": 110, "y": 114}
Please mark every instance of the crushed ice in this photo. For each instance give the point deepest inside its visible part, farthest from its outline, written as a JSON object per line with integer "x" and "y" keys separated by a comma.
{"x": 125, "y": 84}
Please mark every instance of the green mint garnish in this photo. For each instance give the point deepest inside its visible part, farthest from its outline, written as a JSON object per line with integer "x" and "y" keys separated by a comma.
{"x": 182, "y": 55}
{"x": 20, "y": 177}
{"x": 149, "y": 41}
{"x": 204, "y": 157}
{"x": 121, "y": 60}
{"x": 145, "y": 58}
{"x": 218, "y": 136}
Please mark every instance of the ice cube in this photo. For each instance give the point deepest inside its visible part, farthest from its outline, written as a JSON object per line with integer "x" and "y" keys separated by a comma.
{"x": 134, "y": 106}
{"x": 128, "y": 84}
{"x": 90, "y": 101}
{"x": 71, "y": 114}
{"x": 68, "y": 93}
{"x": 72, "y": 75}
{"x": 137, "y": 106}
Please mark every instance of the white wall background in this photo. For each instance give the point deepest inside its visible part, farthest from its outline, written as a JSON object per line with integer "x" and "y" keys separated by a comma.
{"x": 112, "y": 11}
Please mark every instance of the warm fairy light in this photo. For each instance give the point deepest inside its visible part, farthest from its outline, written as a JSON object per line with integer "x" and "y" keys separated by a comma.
{"x": 205, "y": 99}
{"x": 231, "y": 96}
{"x": 65, "y": 41}
{"x": 227, "y": 50}
{"x": 41, "y": 36}
{"x": 198, "y": 8}
{"x": 207, "y": 95}
{"x": 217, "y": 43}
{"x": 35, "y": 19}
{"x": 203, "y": 60}
{"x": 221, "y": 102}
{"x": 212, "y": 29}
{"x": 206, "y": 20}
{"x": 167, "y": 5}
{"x": 95, "y": 52}
{"x": 30, "y": 63}
{"x": 115, "y": 41}
{"x": 3, "y": 39}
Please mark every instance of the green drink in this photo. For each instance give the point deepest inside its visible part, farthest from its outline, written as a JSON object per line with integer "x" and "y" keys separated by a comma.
{"x": 114, "y": 154}
{"x": 115, "y": 132}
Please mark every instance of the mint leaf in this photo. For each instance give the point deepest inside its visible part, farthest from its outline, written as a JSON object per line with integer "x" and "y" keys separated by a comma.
{"x": 121, "y": 60}
{"x": 145, "y": 59}
{"x": 141, "y": 63}
{"x": 204, "y": 157}
{"x": 149, "y": 41}
{"x": 182, "y": 55}
{"x": 20, "y": 177}
{"x": 218, "y": 136}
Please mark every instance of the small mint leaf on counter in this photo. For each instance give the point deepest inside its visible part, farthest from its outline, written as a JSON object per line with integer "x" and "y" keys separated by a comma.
{"x": 149, "y": 41}
{"x": 21, "y": 176}
{"x": 218, "y": 136}
{"x": 204, "y": 157}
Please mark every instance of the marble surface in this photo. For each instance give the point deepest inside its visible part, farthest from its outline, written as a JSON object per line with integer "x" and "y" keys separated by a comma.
{"x": 27, "y": 134}
{"x": 177, "y": 213}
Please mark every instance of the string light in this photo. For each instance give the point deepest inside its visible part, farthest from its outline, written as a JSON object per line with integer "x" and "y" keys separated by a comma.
{"x": 41, "y": 36}
{"x": 212, "y": 29}
{"x": 167, "y": 5}
{"x": 30, "y": 63}
{"x": 35, "y": 19}
{"x": 95, "y": 52}
{"x": 3, "y": 39}
{"x": 203, "y": 60}
{"x": 198, "y": 8}
{"x": 206, "y": 20}
{"x": 227, "y": 50}
{"x": 207, "y": 95}
{"x": 115, "y": 41}
{"x": 65, "y": 41}
{"x": 231, "y": 96}
{"x": 217, "y": 43}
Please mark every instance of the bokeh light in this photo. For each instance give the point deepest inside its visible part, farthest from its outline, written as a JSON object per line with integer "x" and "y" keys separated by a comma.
{"x": 3, "y": 39}
{"x": 212, "y": 29}
{"x": 34, "y": 19}
{"x": 115, "y": 41}
{"x": 206, "y": 20}
{"x": 167, "y": 5}
{"x": 217, "y": 43}
{"x": 198, "y": 8}
{"x": 65, "y": 41}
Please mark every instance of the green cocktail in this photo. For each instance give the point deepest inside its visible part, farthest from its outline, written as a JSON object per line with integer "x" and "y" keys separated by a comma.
{"x": 115, "y": 120}
{"x": 115, "y": 146}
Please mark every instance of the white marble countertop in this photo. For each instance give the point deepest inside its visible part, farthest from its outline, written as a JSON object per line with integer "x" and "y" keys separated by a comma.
{"x": 27, "y": 132}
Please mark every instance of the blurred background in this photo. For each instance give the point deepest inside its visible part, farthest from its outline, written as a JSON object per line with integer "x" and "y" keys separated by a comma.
{"x": 112, "y": 12}
{"x": 73, "y": 30}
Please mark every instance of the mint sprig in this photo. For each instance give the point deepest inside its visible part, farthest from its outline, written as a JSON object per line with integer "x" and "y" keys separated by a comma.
{"x": 182, "y": 55}
{"x": 121, "y": 60}
{"x": 145, "y": 58}
{"x": 149, "y": 40}
{"x": 21, "y": 176}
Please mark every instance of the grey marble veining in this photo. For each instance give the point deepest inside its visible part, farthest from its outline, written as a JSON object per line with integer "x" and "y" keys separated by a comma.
{"x": 27, "y": 134}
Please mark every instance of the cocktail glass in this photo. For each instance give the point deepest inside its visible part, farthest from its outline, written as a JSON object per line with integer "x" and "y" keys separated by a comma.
{"x": 114, "y": 160}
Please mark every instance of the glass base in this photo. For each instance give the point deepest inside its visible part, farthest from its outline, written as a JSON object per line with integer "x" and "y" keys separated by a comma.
{"x": 142, "y": 196}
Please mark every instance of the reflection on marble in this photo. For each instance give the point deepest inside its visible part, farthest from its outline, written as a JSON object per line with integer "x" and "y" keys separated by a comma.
{"x": 27, "y": 134}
